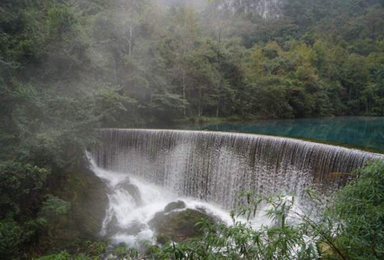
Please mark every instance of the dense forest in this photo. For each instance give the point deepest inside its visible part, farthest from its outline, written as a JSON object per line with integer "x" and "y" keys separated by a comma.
{"x": 69, "y": 67}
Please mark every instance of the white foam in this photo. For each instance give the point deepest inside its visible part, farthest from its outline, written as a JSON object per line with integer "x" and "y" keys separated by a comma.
{"x": 126, "y": 213}
{"x": 123, "y": 208}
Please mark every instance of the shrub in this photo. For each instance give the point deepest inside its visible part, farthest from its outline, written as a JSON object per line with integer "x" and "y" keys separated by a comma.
{"x": 359, "y": 210}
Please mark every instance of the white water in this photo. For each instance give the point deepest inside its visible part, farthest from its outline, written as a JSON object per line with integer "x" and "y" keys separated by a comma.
{"x": 127, "y": 213}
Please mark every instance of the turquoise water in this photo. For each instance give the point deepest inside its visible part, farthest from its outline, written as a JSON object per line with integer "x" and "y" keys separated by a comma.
{"x": 364, "y": 132}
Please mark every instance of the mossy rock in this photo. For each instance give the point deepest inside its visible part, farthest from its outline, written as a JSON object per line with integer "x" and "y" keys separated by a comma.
{"x": 133, "y": 190}
{"x": 133, "y": 229}
{"x": 88, "y": 198}
{"x": 178, "y": 226}
{"x": 327, "y": 252}
{"x": 175, "y": 205}
{"x": 163, "y": 239}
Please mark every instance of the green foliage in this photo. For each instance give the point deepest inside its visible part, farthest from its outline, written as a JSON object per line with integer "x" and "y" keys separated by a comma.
{"x": 18, "y": 182}
{"x": 166, "y": 106}
{"x": 124, "y": 252}
{"x": 54, "y": 206}
{"x": 95, "y": 251}
{"x": 12, "y": 237}
{"x": 359, "y": 207}
{"x": 61, "y": 256}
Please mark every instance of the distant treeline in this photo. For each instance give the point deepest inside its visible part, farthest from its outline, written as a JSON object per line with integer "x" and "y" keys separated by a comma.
{"x": 68, "y": 67}
{"x": 133, "y": 61}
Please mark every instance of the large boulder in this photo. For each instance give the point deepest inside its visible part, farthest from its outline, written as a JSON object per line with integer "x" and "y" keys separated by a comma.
{"x": 88, "y": 198}
{"x": 175, "y": 205}
{"x": 178, "y": 225}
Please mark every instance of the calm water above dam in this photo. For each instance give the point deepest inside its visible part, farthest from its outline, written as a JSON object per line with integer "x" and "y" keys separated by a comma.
{"x": 364, "y": 132}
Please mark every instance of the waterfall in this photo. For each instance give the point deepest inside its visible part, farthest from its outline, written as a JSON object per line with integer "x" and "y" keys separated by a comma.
{"x": 214, "y": 167}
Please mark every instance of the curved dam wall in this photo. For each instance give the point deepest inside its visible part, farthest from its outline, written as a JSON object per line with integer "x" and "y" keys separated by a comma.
{"x": 215, "y": 166}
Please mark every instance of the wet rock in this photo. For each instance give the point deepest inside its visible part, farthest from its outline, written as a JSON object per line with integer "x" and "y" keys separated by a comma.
{"x": 114, "y": 228}
{"x": 178, "y": 226}
{"x": 327, "y": 252}
{"x": 134, "y": 229}
{"x": 202, "y": 210}
{"x": 174, "y": 205}
{"x": 88, "y": 197}
{"x": 157, "y": 219}
{"x": 133, "y": 190}
{"x": 90, "y": 203}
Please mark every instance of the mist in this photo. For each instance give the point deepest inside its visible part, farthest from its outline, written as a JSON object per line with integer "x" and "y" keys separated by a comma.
{"x": 198, "y": 4}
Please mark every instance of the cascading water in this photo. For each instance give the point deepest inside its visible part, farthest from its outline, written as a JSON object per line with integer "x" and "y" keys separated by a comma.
{"x": 146, "y": 169}
{"x": 133, "y": 203}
